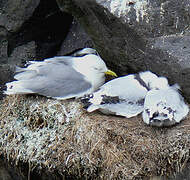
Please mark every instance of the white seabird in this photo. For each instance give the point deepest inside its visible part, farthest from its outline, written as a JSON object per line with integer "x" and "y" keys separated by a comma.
{"x": 61, "y": 77}
{"x": 124, "y": 96}
{"x": 164, "y": 107}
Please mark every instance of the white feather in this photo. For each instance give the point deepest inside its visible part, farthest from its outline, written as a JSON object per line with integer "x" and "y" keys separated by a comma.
{"x": 61, "y": 77}
{"x": 129, "y": 92}
{"x": 164, "y": 107}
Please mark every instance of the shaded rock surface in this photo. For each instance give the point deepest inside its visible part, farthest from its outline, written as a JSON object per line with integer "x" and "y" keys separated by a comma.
{"x": 124, "y": 48}
{"x": 15, "y": 13}
{"x": 151, "y": 18}
{"x": 58, "y": 139}
{"x": 29, "y": 30}
{"x": 75, "y": 39}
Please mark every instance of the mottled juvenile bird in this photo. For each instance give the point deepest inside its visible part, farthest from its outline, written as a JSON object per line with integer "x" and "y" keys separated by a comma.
{"x": 124, "y": 96}
{"x": 61, "y": 77}
{"x": 164, "y": 107}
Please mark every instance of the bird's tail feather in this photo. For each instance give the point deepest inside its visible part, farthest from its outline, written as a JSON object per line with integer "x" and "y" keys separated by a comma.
{"x": 19, "y": 69}
{"x": 87, "y": 104}
{"x": 16, "y": 87}
{"x": 24, "y": 75}
{"x": 176, "y": 86}
{"x": 86, "y": 101}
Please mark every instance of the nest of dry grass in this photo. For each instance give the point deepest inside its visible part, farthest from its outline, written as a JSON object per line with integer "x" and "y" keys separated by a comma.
{"x": 60, "y": 136}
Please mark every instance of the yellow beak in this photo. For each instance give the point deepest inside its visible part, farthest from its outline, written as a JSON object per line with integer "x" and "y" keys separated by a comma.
{"x": 111, "y": 73}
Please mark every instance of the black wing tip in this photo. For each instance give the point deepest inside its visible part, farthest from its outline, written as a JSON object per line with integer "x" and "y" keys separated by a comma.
{"x": 86, "y": 101}
{"x": 110, "y": 99}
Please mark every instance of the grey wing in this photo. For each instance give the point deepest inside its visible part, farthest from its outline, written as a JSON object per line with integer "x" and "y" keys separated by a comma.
{"x": 129, "y": 94}
{"x": 67, "y": 60}
{"x": 37, "y": 67}
{"x": 123, "y": 107}
{"x": 34, "y": 65}
{"x": 56, "y": 80}
{"x": 127, "y": 106}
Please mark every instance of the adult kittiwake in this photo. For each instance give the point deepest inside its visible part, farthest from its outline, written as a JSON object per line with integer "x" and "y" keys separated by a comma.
{"x": 61, "y": 77}
{"x": 124, "y": 96}
{"x": 164, "y": 107}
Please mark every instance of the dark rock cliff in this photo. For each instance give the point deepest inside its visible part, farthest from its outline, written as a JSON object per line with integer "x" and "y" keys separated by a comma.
{"x": 49, "y": 139}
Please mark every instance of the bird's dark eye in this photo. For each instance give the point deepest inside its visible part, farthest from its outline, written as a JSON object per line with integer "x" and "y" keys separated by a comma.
{"x": 98, "y": 69}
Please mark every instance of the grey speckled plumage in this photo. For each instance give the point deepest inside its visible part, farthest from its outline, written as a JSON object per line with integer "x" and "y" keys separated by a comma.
{"x": 164, "y": 107}
{"x": 124, "y": 96}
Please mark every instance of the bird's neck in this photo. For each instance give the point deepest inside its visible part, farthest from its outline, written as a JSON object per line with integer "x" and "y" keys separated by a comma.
{"x": 91, "y": 75}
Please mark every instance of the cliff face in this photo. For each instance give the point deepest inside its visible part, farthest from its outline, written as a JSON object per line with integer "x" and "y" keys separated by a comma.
{"x": 57, "y": 139}
{"x": 29, "y": 30}
{"x": 131, "y": 36}
{"x": 135, "y": 36}
{"x": 151, "y": 18}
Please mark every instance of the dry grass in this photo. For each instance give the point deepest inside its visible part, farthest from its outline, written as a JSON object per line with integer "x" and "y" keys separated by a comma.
{"x": 61, "y": 136}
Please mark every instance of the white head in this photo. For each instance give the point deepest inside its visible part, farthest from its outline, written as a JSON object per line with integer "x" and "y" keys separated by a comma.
{"x": 153, "y": 81}
{"x": 93, "y": 68}
{"x": 93, "y": 63}
{"x": 84, "y": 52}
{"x": 147, "y": 76}
{"x": 159, "y": 83}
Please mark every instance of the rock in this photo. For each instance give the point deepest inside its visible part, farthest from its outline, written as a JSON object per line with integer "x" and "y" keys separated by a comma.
{"x": 7, "y": 172}
{"x": 4, "y": 174}
{"x": 19, "y": 56}
{"x": 29, "y": 30}
{"x": 3, "y": 45}
{"x": 178, "y": 47}
{"x": 75, "y": 39}
{"x": 15, "y": 12}
{"x": 58, "y": 139}
{"x": 22, "y": 171}
{"x": 122, "y": 45}
{"x": 151, "y": 18}
{"x": 43, "y": 27}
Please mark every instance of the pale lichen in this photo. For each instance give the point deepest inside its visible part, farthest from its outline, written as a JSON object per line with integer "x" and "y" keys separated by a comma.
{"x": 60, "y": 136}
{"x": 121, "y": 8}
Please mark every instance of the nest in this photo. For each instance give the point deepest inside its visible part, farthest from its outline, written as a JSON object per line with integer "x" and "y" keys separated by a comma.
{"x": 60, "y": 136}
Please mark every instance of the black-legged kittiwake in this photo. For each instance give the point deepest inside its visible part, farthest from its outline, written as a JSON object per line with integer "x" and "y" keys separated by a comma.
{"x": 124, "y": 96}
{"x": 164, "y": 107}
{"x": 61, "y": 77}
